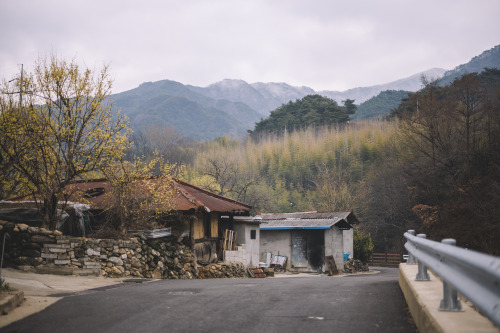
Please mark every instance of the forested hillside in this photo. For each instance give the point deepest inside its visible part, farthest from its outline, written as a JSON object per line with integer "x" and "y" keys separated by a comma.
{"x": 312, "y": 110}
{"x": 169, "y": 103}
{"x": 435, "y": 168}
{"x": 487, "y": 59}
{"x": 381, "y": 105}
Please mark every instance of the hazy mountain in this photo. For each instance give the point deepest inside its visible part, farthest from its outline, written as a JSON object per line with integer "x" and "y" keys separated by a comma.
{"x": 265, "y": 97}
{"x": 262, "y": 97}
{"x": 360, "y": 95}
{"x": 230, "y": 107}
{"x": 489, "y": 58}
{"x": 190, "y": 113}
{"x": 381, "y": 105}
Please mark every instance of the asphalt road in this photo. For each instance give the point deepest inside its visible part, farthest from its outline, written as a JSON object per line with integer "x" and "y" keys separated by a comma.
{"x": 361, "y": 303}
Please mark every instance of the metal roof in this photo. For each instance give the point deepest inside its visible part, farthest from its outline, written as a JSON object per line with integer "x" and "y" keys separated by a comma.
{"x": 246, "y": 219}
{"x": 97, "y": 193}
{"x": 192, "y": 197}
{"x": 306, "y": 215}
{"x": 307, "y": 220}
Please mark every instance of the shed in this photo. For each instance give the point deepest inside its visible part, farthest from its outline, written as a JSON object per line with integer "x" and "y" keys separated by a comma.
{"x": 306, "y": 238}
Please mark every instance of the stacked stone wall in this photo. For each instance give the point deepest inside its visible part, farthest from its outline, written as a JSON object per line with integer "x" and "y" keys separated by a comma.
{"x": 40, "y": 249}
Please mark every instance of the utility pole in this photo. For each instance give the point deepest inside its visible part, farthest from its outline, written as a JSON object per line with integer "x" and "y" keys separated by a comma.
{"x": 21, "y": 89}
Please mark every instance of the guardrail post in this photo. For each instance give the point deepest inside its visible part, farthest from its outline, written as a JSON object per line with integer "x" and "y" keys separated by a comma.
{"x": 450, "y": 301}
{"x": 422, "y": 274}
{"x": 411, "y": 259}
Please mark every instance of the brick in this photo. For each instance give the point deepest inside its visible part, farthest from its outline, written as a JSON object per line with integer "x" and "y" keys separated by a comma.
{"x": 62, "y": 262}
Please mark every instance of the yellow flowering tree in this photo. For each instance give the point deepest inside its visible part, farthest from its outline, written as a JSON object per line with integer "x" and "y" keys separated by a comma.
{"x": 142, "y": 192}
{"x": 57, "y": 125}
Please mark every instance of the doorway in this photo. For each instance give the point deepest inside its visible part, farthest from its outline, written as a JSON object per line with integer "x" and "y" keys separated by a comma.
{"x": 316, "y": 249}
{"x": 299, "y": 249}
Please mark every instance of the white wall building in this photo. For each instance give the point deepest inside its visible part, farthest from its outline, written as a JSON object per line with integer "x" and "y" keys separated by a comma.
{"x": 247, "y": 241}
{"x": 307, "y": 239}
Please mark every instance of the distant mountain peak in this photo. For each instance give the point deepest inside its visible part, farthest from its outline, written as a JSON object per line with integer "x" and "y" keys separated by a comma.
{"x": 229, "y": 83}
{"x": 489, "y": 58}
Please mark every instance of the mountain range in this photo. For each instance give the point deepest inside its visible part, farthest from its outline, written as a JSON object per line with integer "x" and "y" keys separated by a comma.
{"x": 231, "y": 107}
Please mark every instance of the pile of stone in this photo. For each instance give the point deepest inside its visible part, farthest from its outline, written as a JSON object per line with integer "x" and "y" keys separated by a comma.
{"x": 355, "y": 266}
{"x": 221, "y": 270}
{"x": 25, "y": 244}
{"x": 166, "y": 258}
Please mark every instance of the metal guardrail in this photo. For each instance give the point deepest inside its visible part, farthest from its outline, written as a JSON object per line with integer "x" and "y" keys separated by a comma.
{"x": 475, "y": 275}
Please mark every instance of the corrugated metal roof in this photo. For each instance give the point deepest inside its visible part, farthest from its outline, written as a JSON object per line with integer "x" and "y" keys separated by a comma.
{"x": 306, "y": 215}
{"x": 198, "y": 198}
{"x": 307, "y": 220}
{"x": 247, "y": 219}
{"x": 97, "y": 193}
{"x": 305, "y": 224}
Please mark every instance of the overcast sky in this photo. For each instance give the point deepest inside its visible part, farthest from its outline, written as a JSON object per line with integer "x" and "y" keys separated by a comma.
{"x": 322, "y": 44}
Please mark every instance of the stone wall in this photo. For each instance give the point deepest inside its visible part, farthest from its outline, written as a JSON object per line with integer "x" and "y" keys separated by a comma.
{"x": 40, "y": 249}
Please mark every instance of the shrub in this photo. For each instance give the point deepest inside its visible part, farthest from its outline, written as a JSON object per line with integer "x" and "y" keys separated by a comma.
{"x": 363, "y": 245}
{"x": 4, "y": 286}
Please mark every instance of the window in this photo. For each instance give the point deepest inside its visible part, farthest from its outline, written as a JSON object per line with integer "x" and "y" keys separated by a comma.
{"x": 253, "y": 234}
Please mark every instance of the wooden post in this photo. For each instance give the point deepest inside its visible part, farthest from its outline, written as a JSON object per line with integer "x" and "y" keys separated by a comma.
{"x": 191, "y": 231}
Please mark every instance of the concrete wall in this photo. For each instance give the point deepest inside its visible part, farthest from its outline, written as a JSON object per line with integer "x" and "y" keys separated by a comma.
{"x": 251, "y": 246}
{"x": 424, "y": 297}
{"x": 334, "y": 246}
{"x": 276, "y": 241}
{"x": 336, "y": 243}
{"x": 349, "y": 242}
{"x": 238, "y": 256}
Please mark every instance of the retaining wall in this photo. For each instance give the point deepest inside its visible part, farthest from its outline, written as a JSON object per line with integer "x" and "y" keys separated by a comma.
{"x": 45, "y": 251}
{"x": 423, "y": 299}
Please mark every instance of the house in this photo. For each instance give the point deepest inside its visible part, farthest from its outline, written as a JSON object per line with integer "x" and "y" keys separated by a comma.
{"x": 193, "y": 211}
{"x": 306, "y": 239}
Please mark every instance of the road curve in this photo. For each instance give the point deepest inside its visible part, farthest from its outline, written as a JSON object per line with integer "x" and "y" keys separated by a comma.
{"x": 316, "y": 303}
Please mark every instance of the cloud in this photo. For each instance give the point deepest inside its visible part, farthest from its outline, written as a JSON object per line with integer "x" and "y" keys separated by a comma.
{"x": 331, "y": 45}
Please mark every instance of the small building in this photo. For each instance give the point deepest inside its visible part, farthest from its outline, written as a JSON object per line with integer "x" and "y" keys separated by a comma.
{"x": 306, "y": 239}
{"x": 246, "y": 230}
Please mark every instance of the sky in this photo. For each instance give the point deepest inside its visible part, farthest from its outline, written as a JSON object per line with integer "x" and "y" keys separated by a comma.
{"x": 321, "y": 44}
